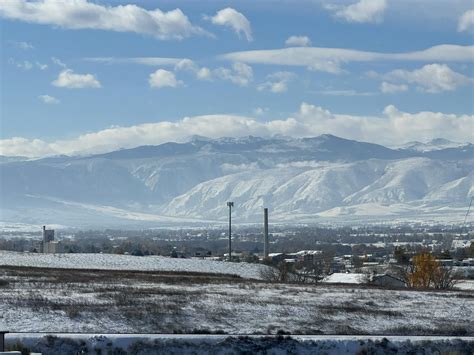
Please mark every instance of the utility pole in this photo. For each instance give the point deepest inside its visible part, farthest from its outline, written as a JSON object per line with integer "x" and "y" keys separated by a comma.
{"x": 265, "y": 232}
{"x": 230, "y": 205}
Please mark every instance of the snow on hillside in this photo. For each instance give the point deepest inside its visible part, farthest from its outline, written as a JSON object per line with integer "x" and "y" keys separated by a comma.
{"x": 313, "y": 189}
{"x": 435, "y": 144}
{"x": 129, "y": 262}
{"x": 311, "y": 177}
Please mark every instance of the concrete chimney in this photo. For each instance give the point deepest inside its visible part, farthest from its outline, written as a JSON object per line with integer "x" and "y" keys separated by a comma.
{"x": 265, "y": 232}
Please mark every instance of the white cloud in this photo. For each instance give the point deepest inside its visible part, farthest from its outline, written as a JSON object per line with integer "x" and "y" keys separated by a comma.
{"x": 388, "y": 88}
{"x": 431, "y": 78}
{"x": 240, "y": 74}
{"x": 330, "y": 59}
{"x": 204, "y": 74}
{"x": 186, "y": 65}
{"x": 58, "y": 62}
{"x": 231, "y": 18}
{"x": 363, "y": 11}
{"x": 390, "y": 128}
{"x": 466, "y": 21}
{"x": 22, "y": 45}
{"x": 82, "y": 14}
{"x": 163, "y": 78}
{"x": 47, "y": 99}
{"x": 277, "y": 82}
{"x": 149, "y": 61}
{"x": 298, "y": 41}
{"x": 68, "y": 79}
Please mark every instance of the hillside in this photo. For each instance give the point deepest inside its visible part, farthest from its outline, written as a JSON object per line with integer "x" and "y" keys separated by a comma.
{"x": 307, "y": 179}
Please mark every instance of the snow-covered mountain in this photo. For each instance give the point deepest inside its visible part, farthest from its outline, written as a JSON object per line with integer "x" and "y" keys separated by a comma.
{"x": 307, "y": 179}
{"x": 435, "y": 144}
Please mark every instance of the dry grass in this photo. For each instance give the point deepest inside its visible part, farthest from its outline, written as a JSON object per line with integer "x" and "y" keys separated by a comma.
{"x": 167, "y": 302}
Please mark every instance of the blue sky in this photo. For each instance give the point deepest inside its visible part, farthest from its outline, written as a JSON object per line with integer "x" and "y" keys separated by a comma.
{"x": 72, "y": 83}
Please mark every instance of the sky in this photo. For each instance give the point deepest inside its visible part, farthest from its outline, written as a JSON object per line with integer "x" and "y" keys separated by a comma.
{"x": 83, "y": 76}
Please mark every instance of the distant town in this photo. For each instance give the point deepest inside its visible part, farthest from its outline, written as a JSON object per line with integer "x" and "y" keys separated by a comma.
{"x": 308, "y": 253}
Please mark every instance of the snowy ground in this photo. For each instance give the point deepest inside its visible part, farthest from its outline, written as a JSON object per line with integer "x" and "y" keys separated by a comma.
{"x": 220, "y": 344}
{"x": 129, "y": 262}
{"x": 465, "y": 285}
{"x": 64, "y": 300}
{"x": 343, "y": 278}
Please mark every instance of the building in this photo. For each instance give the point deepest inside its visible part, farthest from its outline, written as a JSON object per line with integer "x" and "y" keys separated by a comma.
{"x": 48, "y": 244}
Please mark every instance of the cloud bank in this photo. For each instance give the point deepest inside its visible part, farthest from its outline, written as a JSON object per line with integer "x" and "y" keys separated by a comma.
{"x": 331, "y": 59}
{"x": 392, "y": 127}
{"x": 431, "y": 78}
{"x": 82, "y": 14}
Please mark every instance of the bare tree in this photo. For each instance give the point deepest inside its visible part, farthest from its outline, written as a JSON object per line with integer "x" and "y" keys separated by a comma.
{"x": 445, "y": 278}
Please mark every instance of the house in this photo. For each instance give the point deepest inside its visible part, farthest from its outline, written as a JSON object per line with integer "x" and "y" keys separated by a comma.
{"x": 309, "y": 256}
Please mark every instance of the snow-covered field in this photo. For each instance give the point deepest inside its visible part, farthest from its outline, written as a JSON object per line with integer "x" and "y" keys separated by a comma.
{"x": 129, "y": 262}
{"x": 64, "y": 300}
{"x": 342, "y": 278}
{"x": 465, "y": 285}
{"x": 221, "y": 344}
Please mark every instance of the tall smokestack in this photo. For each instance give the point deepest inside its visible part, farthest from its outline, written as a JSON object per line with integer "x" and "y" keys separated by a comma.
{"x": 265, "y": 232}
{"x": 44, "y": 233}
{"x": 230, "y": 205}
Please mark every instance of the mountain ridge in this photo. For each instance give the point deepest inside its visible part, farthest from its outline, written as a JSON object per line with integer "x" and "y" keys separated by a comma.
{"x": 316, "y": 176}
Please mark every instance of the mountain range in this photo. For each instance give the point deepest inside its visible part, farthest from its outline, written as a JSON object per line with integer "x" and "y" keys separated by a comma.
{"x": 319, "y": 179}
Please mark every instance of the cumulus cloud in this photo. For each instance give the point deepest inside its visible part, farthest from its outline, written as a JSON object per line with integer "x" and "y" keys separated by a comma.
{"x": 82, "y": 14}
{"x": 466, "y": 21}
{"x": 331, "y": 59}
{"x": 392, "y": 127}
{"x": 431, "y": 78}
{"x": 163, "y": 78}
{"x": 232, "y": 18}
{"x": 388, "y": 88}
{"x": 277, "y": 82}
{"x": 68, "y": 79}
{"x": 47, "y": 99}
{"x": 298, "y": 41}
{"x": 239, "y": 73}
{"x": 363, "y": 11}
{"x": 201, "y": 73}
